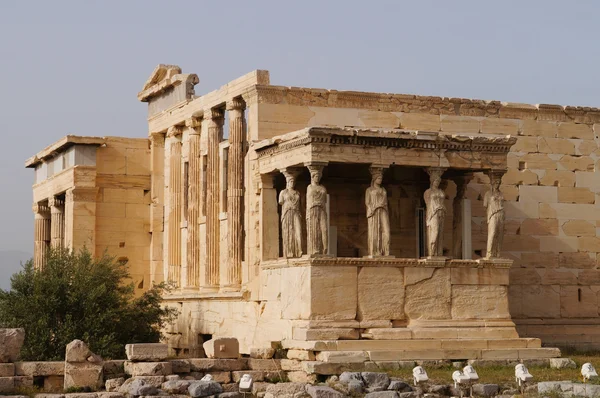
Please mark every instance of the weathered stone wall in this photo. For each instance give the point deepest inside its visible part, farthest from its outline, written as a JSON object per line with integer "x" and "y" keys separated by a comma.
{"x": 551, "y": 190}
{"x": 122, "y": 216}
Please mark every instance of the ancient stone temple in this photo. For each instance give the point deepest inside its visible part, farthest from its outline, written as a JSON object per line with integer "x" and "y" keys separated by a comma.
{"x": 366, "y": 226}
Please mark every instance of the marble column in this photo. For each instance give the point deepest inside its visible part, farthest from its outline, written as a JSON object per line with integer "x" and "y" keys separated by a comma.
{"x": 174, "y": 234}
{"x": 41, "y": 235}
{"x": 57, "y": 222}
{"x": 235, "y": 194}
{"x": 214, "y": 119}
{"x": 461, "y": 219}
{"x": 195, "y": 171}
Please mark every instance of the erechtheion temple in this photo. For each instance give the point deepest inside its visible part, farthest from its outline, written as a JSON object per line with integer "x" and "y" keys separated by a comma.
{"x": 355, "y": 225}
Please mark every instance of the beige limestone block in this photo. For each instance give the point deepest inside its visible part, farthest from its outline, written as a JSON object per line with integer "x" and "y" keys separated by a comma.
{"x": 538, "y": 353}
{"x": 575, "y": 130}
{"x": 536, "y": 226}
{"x": 539, "y": 260}
{"x": 556, "y": 146}
{"x": 292, "y": 364}
{"x": 295, "y": 293}
{"x": 520, "y": 177}
{"x": 138, "y": 161}
{"x": 540, "y": 301}
{"x": 521, "y": 243}
{"x": 415, "y": 275}
{"x": 569, "y": 211}
{"x": 479, "y": 276}
{"x": 40, "y": 368}
{"x": 343, "y": 356}
{"x": 112, "y": 164}
{"x": 325, "y": 334}
{"x": 333, "y": 292}
{"x": 380, "y": 293}
{"x": 585, "y": 147}
{"x": 577, "y": 163}
{"x": 335, "y": 117}
{"x": 421, "y": 304}
{"x": 378, "y": 119}
{"x": 558, "y": 244}
{"x": 539, "y": 128}
{"x": 510, "y": 192}
{"x": 210, "y": 364}
{"x": 301, "y": 355}
{"x": 82, "y": 374}
{"x": 579, "y": 228}
{"x": 419, "y": 121}
{"x": 576, "y": 260}
{"x": 54, "y": 384}
{"x": 264, "y": 364}
{"x": 460, "y": 124}
{"x": 587, "y": 179}
{"x": 538, "y": 161}
{"x": 522, "y": 210}
{"x": 500, "y": 126}
{"x": 578, "y": 302}
{"x": 559, "y": 178}
{"x": 540, "y": 194}
{"x": 148, "y": 368}
{"x": 524, "y": 276}
{"x": 589, "y": 244}
{"x": 7, "y": 369}
{"x": 589, "y": 277}
{"x": 479, "y": 302}
{"x": 222, "y": 348}
{"x": 558, "y": 277}
{"x": 154, "y": 352}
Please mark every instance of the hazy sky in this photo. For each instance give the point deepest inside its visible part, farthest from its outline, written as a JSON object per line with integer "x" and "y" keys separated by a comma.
{"x": 75, "y": 67}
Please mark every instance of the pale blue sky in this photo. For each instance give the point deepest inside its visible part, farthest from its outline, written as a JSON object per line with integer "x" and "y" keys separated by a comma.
{"x": 75, "y": 67}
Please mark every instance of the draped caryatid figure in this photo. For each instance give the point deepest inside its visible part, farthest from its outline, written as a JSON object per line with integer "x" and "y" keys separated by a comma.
{"x": 436, "y": 213}
{"x": 378, "y": 219}
{"x": 493, "y": 201}
{"x": 291, "y": 219}
{"x": 316, "y": 213}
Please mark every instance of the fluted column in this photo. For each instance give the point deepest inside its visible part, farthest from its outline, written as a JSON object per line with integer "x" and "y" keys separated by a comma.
{"x": 235, "y": 194}
{"x": 41, "y": 235}
{"x": 57, "y": 222}
{"x": 214, "y": 119}
{"x": 174, "y": 250}
{"x": 195, "y": 172}
{"x": 157, "y": 207}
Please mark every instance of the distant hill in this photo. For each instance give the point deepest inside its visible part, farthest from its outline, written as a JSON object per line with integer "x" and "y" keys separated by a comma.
{"x": 10, "y": 263}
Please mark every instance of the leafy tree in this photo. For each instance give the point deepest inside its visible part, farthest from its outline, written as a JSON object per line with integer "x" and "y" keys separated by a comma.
{"x": 77, "y": 296}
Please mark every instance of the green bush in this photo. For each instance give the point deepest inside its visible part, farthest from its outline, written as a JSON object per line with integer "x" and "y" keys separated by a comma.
{"x": 77, "y": 296}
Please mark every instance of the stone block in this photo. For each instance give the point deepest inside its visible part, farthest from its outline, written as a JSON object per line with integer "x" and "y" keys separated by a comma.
{"x": 539, "y": 128}
{"x": 558, "y": 277}
{"x": 210, "y": 365}
{"x": 588, "y": 276}
{"x": 524, "y": 276}
{"x": 221, "y": 377}
{"x": 579, "y": 228}
{"x": 558, "y": 244}
{"x": 525, "y": 144}
{"x": 264, "y": 364}
{"x": 419, "y": 121}
{"x": 291, "y": 365}
{"x": 460, "y": 124}
{"x": 520, "y": 177}
{"x": 77, "y": 351}
{"x": 343, "y": 356}
{"x": 301, "y": 355}
{"x": 539, "y": 260}
{"x": 222, "y": 348}
{"x": 262, "y": 353}
{"x": 39, "y": 368}
{"x": 301, "y": 377}
{"x": 479, "y": 276}
{"x": 537, "y": 161}
{"x": 589, "y": 244}
{"x": 559, "y": 178}
{"x": 26, "y": 381}
{"x": 258, "y": 375}
{"x": 148, "y": 368}
{"x": 380, "y": 293}
{"x": 539, "y": 194}
{"x": 7, "y": 384}
{"x": 420, "y": 304}
{"x": 537, "y": 226}
{"x": 578, "y": 302}
{"x": 479, "y": 302}
{"x": 562, "y": 363}
{"x": 576, "y": 163}
{"x": 82, "y": 374}
{"x": 155, "y": 352}
{"x": 556, "y": 146}
{"x": 575, "y": 195}
{"x": 11, "y": 341}
{"x": 333, "y": 292}
{"x": 180, "y": 365}
{"x": 7, "y": 369}
{"x": 540, "y": 301}
{"x": 575, "y": 130}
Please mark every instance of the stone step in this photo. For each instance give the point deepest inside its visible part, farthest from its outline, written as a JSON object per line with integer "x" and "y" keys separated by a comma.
{"x": 411, "y": 344}
{"x": 344, "y": 357}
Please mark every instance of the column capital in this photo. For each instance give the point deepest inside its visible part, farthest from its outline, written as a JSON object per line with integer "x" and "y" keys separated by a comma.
{"x": 174, "y": 131}
{"x": 194, "y": 123}
{"x": 40, "y": 209}
{"x": 213, "y": 114}
{"x": 55, "y": 202}
{"x": 157, "y": 139}
{"x": 235, "y": 104}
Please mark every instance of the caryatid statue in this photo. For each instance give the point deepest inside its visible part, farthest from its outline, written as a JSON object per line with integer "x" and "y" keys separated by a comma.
{"x": 291, "y": 219}
{"x": 316, "y": 213}
{"x": 378, "y": 219}
{"x": 493, "y": 201}
{"x": 436, "y": 212}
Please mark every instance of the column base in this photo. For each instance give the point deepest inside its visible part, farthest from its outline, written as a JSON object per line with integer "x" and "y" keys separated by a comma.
{"x": 209, "y": 289}
{"x": 379, "y": 256}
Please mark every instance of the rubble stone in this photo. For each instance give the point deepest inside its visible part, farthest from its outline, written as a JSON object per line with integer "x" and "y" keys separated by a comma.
{"x": 204, "y": 389}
